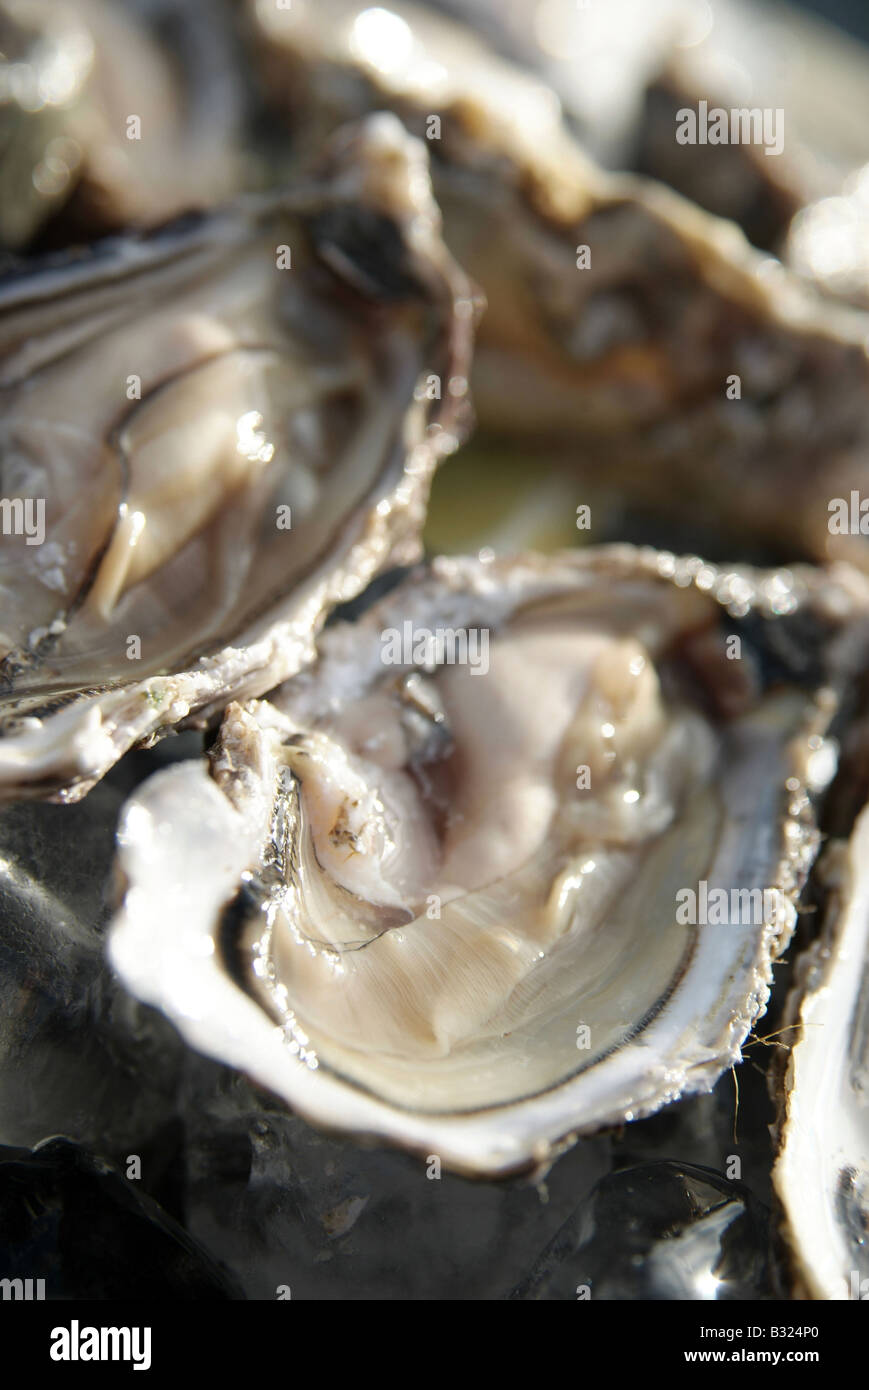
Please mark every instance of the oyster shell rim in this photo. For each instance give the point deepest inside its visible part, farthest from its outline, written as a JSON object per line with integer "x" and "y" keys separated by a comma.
{"x": 75, "y": 745}
{"x": 844, "y": 935}
{"x": 186, "y": 981}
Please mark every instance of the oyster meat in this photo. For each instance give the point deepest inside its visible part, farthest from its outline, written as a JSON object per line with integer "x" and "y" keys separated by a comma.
{"x": 438, "y": 888}
{"x": 209, "y": 437}
{"x": 474, "y": 853}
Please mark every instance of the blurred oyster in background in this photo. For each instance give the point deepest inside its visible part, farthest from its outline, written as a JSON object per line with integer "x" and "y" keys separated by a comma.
{"x": 46, "y": 61}
{"x": 598, "y": 58}
{"x": 115, "y": 115}
{"x": 628, "y": 335}
{"x": 625, "y": 69}
{"x": 223, "y": 428}
{"x": 760, "y": 57}
{"x": 728, "y": 54}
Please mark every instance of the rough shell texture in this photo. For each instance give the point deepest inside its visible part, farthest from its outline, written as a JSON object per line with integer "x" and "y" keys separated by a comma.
{"x": 311, "y": 962}
{"x": 239, "y": 442}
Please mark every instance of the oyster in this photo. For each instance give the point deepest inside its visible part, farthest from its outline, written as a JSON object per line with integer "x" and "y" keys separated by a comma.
{"x": 46, "y": 57}
{"x": 822, "y": 1171}
{"x": 809, "y": 79}
{"x": 597, "y": 58}
{"x": 209, "y": 437}
{"x": 97, "y": 118}
{"x": 637, "y": 339}
{"x": 438, "y": 888}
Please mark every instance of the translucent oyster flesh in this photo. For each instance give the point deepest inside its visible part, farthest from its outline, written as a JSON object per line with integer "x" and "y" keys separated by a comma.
{"x": 639, "y": 336}
{"x": 211, "y": 436}
{"x": 430, "y": 889}
{"x": 822, "y": 1172}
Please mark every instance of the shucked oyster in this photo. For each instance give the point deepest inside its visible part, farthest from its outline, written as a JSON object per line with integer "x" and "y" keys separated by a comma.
{"x": 637, "y": 337}
{"x": 510, "y": 862}
{"x": 208, "y": 438}
{"x": 118, "y": 116}
{"x": 822, "y": 1172}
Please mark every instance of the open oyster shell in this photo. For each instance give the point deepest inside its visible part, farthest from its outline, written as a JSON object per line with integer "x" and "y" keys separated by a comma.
{"x": 821, "y": 1175}
{"x": 639, "y": 338}
{"x": 211, "y": 436}
{"x": 438, "y": 889}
